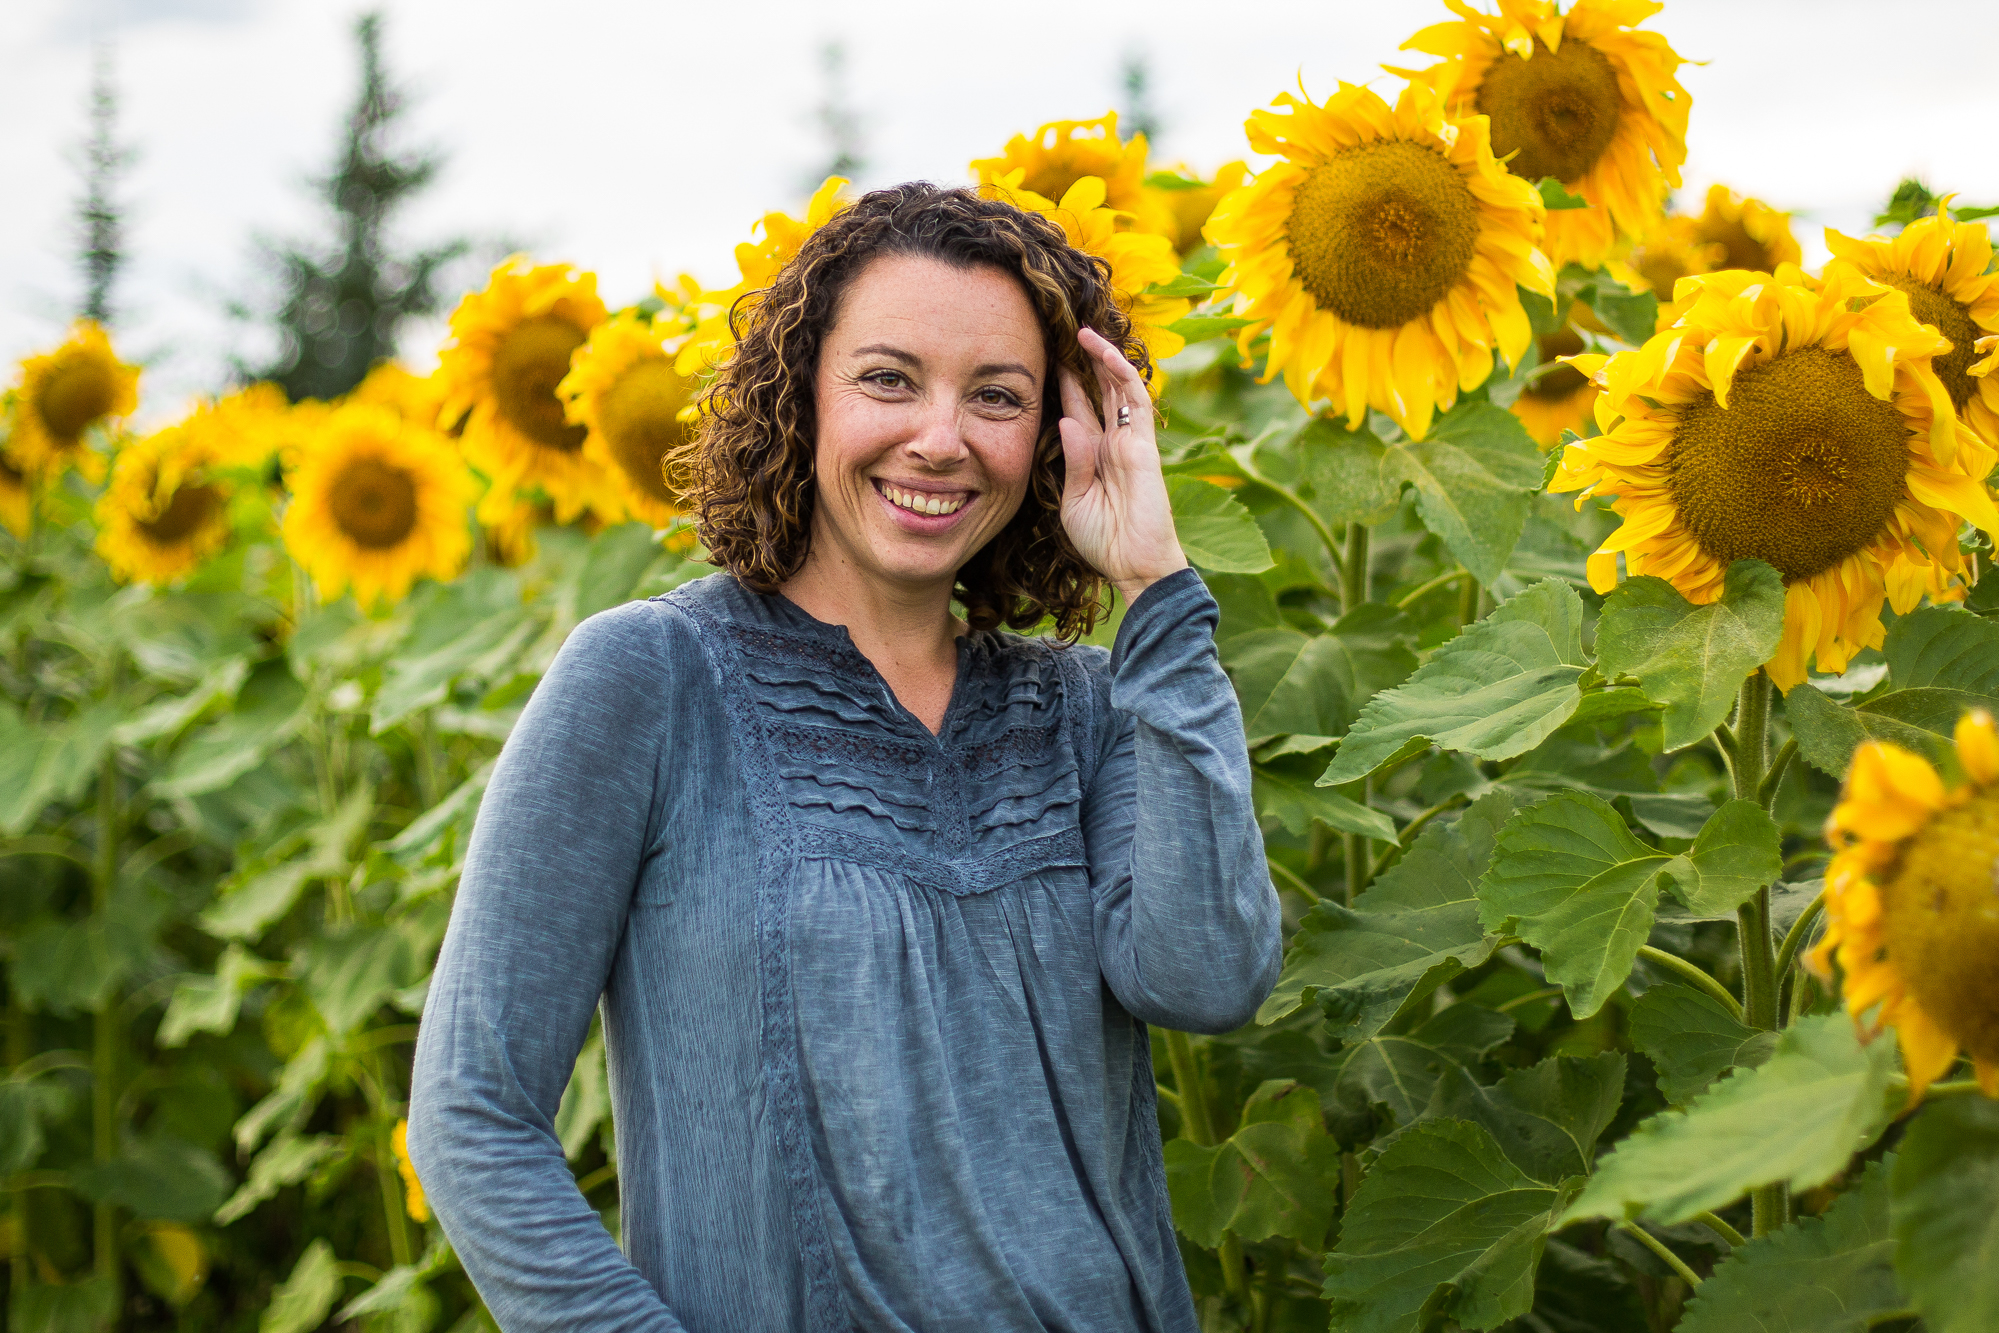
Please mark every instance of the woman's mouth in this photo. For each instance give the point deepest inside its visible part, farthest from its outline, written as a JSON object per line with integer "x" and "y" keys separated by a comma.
{"x": 926, "y": 504}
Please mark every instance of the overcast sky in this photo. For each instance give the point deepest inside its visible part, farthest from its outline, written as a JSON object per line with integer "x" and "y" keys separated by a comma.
{"x": 641, "y": 137}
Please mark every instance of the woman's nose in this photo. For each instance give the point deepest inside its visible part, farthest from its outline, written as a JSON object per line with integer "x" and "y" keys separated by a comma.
{"x": 939, "y": 441}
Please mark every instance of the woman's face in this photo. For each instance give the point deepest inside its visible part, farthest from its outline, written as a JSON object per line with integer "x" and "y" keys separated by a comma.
{"x": 929, "y": 402}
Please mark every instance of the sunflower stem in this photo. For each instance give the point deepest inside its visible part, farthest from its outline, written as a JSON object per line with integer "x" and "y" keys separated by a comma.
{"x": 1766, "y": 791}
{"x": 1353, "y": 573}
{"x": 1692, "y": 975}
{"x": 1721, "y": 1229}
{"x": 1422, "y": 590}
{"x": 1327, "y": 536}
{"x": 1197, "y": 1126}
{"x": 1770, "y": 1205}
{"x": 1293, "y": 881}
{"x": 1794, "y": 938}
{"x": 1467, "y": 601}
{"x": 104, "y": 1052}
{"x": 1658, "y": 1247}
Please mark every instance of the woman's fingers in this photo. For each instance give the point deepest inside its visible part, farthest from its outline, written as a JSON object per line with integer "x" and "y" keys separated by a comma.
{"x": 1081, "y": 436}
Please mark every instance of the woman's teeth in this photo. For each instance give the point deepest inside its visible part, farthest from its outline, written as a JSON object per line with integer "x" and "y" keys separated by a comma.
{"x": 918, "y": 503}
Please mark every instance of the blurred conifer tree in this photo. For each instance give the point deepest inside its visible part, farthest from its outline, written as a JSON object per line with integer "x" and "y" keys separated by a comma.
{"x": 100, "y": 219}
{"x": 837, "y": 120}
{"x": 1139, "y": 115}
{"x": 343, "y": 304}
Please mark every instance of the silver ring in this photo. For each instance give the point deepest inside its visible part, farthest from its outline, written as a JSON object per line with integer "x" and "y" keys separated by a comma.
{"x": 1124, "y": 416}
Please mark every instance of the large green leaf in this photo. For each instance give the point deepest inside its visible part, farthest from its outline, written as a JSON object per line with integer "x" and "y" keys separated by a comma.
{"x": 1496, "y": 691}
{"x": 349, "y": 975}
{"x": 1336, "y": 471}
{"x": 21, "y": 746}
{"x": 1944, "y": 648}
{"x": 26, "y": 1104}
{"x": 1827, "y": 733}
{"x": 89, "y": 1306}
{"x": 476, "y": 626}
{"x": 1475, "y": 475}
{"x": 65, "y": 760}
{"x": 617, "y": 557}
{"x": 1576, "y": 1292}
{"x": 1692, "y": 1041}
{"x": 167, "y": 716}
{"x": 1275, "y": 1176}
{"x": 1291, "y": 683}
{"x": 1737, "y": 852}
{"x": 1945, "y": 1212}
{"x": 286, "y": 1160}
{"x": 250, "y": 904}
{"x": 1545, "y": 1118}
{"x": 1413, "y": 929}
{"x": 1820, "y": 1098}
{"x": 1568, "y": 877}
{"x": 270, "y": 708}
{"x": 1398, "y": 1074}
{"x": 1443, "y": 1227}
{"x": 1294, "y": 802}
{"x": 1826, "y": 1274}
{"x": 303, "y": 1300}
{"x": 210, "y": 1003}
{"x": 1215, "y": 531}
{"x": 157, "y": 1177}
{"x": 1693, "y": 659}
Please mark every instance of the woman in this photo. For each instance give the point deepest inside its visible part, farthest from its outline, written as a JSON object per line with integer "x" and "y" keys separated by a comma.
{"x": 877, "y": 901}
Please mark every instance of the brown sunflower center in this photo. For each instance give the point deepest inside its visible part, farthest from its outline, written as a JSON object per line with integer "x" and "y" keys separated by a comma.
{"x": 77, "y": 395}
{"x": 1558, "y": 383}
{"x": 1382, "y": 231}
{"x": 1558, "y": 111}
{"x": 1940, "y": 919}
{"x": 1802, "y": 469}
{"x": 374, "y": 503}
{"x": 1953, "y": 321}
{"x": 11, "y": 477}
{"x": 1739, "y": 248}
{"x": 527, "y": 365}
{"x": 191, "y": 509}
{"x": 640, "y": 416}
{"x": 1066, "y": 164}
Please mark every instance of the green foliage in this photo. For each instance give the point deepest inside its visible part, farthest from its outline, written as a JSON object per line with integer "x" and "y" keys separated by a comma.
{"x": 1944, "y": 1211}
{"x": 1692, "y": 1040}
{"x": 1821, "y": 1097}
{"x": 1692, "y": 659}
{"x": 1267, "y": 1179}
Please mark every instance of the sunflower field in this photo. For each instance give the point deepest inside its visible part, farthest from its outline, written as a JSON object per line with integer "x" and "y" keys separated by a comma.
{"x": 1602, "y": 591}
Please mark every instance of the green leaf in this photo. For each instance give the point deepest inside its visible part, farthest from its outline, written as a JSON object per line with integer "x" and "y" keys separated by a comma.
{"x": 1691, "y": 1040}
{"x": 1185, "y": 284}
{"x": 1546, "y": 1118}
{"x": 1949, "y": 649}
{"x": 1412, "y": 929}
{"x": 1568, "y": 877}
{"x": 55, "y": 763}
{"x": 1291, "y": 683}
{"x": 476, "y": 624}
{"x": 1827, "y": 1274}
{"x": 1945, "y": 1214}
{"x": 456, "y": 810}
{"x": 302, "y": 1302}
{"x": 167, "y": 716}
{"x": 89, "y": 1306}
{"x": 21, "y": 746}
{"x": 299, "y": 1086}
{"x": 1475, "y": 475}
{"x": 1215, "y": 531}
{"x": 210, "y": 1003}
{"x": 1576, "y": 1292}
{"x": 270, "y": 708}
{"x": 25, "y": 1105}
{"x": 1820, "y": 1098}
{"x": 1631, "y": 315}
{"x": 251, "y": 904}
{"x": 1275, "y": 1176}
{"x": 1693, "y": 659}
{"x": 66, "y": 967}
{"x": 1338, "y": 472}
{"x": 1497, "y": 690}
{"x": 1399, "y": 1074}
{"x": 1737, "y": 852}
{"x": 617, "y": 557}
{"x": 1556, "y": 198}
{"x": 1828, "y": 733}
{"x": 1194, "y": 328}
{"x": 1295, "y": 803}
{"x": 348, "y": 976}
{"x": 287, "y": 1160}
{"x": 1443, "y": 1226}
{"x": 157, "y": 1177}
{"x": 586, "y": 1102}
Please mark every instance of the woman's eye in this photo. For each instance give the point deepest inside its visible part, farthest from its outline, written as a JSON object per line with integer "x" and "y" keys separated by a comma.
{"x": 888, "y": 379}
{"x": 996, "y": 398}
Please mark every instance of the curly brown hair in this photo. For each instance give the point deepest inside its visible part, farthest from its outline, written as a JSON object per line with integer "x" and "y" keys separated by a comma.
{"x": 748, "y": 472}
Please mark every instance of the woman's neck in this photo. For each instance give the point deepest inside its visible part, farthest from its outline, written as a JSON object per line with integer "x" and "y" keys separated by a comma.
{"x": 906, "y": 631}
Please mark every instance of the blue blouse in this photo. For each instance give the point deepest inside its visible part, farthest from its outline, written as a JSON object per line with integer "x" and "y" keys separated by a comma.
{"x": 874, "y": 1000}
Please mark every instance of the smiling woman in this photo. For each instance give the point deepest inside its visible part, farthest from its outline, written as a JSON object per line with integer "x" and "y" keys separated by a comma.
{"x": 867, "y": 892}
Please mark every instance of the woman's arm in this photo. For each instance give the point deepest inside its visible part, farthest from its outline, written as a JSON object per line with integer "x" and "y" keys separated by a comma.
{"x": 566, "y": 823}
{"x": 1188, "y": 928}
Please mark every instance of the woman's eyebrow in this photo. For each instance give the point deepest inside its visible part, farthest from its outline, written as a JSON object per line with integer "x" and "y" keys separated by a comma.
{"x": 883, "y": 349}
{"x": 1003, "y": 368}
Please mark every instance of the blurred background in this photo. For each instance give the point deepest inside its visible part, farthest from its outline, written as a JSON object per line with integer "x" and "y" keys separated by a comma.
{"x": 641, "y": 138}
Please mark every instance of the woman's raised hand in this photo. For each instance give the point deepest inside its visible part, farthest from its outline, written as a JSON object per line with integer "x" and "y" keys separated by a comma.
{"x": 1114, "y": 502}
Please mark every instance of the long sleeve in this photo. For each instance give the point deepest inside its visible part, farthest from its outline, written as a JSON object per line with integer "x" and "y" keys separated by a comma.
{"x": 567, "y": 824}
{"x": 1187, "y": 923}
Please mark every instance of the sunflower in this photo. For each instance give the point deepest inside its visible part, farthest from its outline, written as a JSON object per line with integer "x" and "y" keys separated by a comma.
{"x": 624, "y": 389}
{"x": 63, "y": 394}
{"x": 1192, "y": 201}
{"x": 1558, "y": 398}
{"x": 414, "y": 1201}
{"x": 377, "y": 501}
{"x": 164, "y": 510}
{"x": 1062, "y": 152}
{"x": 510, "y": 346}
{"x": 1583, "y": 97}
{"x": 418, "y": 398}
{"x": 1751, "y": 234}
{"x": 16, "y": 495}
{"x": 1138, "y": 260}
{"x": 1940, "y": 265}
{"x": 757, "y": 263}
{"x": 1792, "y": 420}
{"x": 1671, "y": 251}
{"x": 1383, "y": 253}
{"x": 1910, "y": 912}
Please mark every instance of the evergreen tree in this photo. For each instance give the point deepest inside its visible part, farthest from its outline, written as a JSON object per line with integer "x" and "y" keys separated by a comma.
{"x": 1139, "y": 116}
{"x": 846, "y": 152}
{"x": 344, "y": 304}
{"x": 101, "y": 223}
